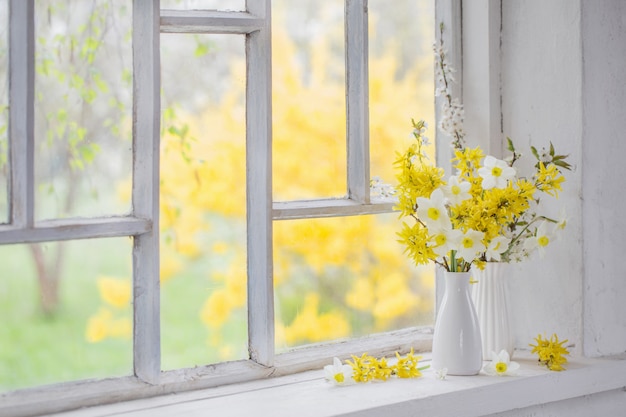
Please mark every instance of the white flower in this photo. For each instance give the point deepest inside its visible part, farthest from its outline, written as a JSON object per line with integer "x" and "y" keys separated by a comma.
{"x": 540, "y": 240}
{"x": 441, "y": 373}
{"x": 495, "y": 173}
{"x": 501, "y": 364}
{"x": 445, "y": 240}
{"x": 456, "y": 190}
{"x": 497, "y": 246}
{"x": 432, "y": 211}
{"x": 561, "y": 221}
{"x": 469, "y": 244}
{"x": 338, "y": 374}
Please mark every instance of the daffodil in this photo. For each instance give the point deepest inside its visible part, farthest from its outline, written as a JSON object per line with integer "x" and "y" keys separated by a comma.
{"x": 338, "y": 373}
{"x": 501, "y": 364}
{"x": 495, "y": 173}
{"x": 445, "y": 240}
{"x": 457, "y": 190}
{"x": 540, "y": 240}
{"x": 432, "y": 211}
{"x": 469, "y": 244}
{"x": 496, "y": 247}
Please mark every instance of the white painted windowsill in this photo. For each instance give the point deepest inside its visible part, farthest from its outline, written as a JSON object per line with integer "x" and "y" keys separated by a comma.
{"x": 307, "y": 394}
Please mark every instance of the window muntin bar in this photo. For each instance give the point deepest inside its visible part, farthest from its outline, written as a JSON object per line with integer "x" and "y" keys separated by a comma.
{"x": 145, "y": 195}
{"x": 4, "y": 111}
{"x": 21, "y": 111}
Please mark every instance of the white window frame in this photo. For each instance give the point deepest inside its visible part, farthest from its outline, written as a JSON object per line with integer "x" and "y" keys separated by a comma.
{"x": 142, "y": 224}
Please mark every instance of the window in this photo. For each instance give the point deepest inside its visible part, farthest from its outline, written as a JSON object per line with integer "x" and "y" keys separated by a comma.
{"x": 309, "y": 107}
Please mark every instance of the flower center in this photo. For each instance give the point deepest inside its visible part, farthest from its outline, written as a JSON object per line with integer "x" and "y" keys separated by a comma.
{"x": 543, "y": 241}
{"x": 467, "y": 242}
{"x": 433, "y": 213}
{"x": 496, "y": 171}
{"x": 501, "y": 367}
{"x": 339, "y": 377}
{"x": 456, "y": 190}
{"x": 440, "y": 239}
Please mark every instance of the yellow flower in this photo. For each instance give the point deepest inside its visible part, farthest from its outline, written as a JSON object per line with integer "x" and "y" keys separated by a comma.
{"x": 551, "y": 352}
{"x": 114, "y": 291}
{"x": 549, "y": 179}
{"x": 468, "y": 159}
{"x": 407, "y": 366}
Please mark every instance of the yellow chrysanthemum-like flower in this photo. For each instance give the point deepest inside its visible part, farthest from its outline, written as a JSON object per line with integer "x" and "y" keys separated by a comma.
{"x": 549, "y": 179}
{"x": 468, "y": 160}
{"x": 551, "y": 352}
{"x": 367, "y": 368}
{"x": 407, "y": 366}
{"x": 416, "y": 179}
{"x": 416, "y": 240}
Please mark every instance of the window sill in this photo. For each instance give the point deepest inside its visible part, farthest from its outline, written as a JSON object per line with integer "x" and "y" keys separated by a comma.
{"x": 307, "y": 394}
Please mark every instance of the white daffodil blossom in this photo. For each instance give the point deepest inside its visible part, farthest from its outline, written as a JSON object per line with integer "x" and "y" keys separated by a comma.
{"x": 445, "y": 240}
{"x": 501, "y": 364}
{"x": 540, "y": 240}
{"x": 432, "y": 211}
{"x": 469, "y": 244}
{"x": 497, "y": 246}
{"x": 561, "y": 221}
{"x": 456, "y": 190}
{"x": 338, "y": 373}
{"x": 495, "y": 173}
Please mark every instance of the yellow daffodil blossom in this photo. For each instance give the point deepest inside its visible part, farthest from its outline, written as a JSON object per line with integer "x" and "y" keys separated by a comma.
{"x": 501, "y": 364}
{"x": 338, "y": 373}
{"x": 495, "y": 173}
{"x": 551, "y": 352}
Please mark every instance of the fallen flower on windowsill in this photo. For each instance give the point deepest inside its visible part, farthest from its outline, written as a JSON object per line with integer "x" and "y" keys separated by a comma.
{"x": 501, "y": 364}
{"x": 339, "y": 374}
{"x": 551, "y": 352}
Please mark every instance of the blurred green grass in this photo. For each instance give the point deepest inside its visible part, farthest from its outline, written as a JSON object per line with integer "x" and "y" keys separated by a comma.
{"x": 38, "y": 350}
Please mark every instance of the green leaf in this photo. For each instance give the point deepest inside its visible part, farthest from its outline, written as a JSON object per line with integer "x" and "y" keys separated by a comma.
{"x": 534, "y": 151}
{"x": 510, "y": 146}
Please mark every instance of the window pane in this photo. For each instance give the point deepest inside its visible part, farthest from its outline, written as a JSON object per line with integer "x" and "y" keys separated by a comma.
{"x": 4, "y": 110}
{"x": 308, "y": 81}
{"x": 345, "y": 277}
{"x": 203, "y": 200}
{"x": 204, "y": 4}
{"x": 401, "y": 78}
{"x": 66, "y": 312}
{"x": 83, "y": 107}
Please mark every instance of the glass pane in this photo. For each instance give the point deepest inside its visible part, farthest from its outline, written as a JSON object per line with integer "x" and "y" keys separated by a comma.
{"x": 345, "y": 277}
{"x": 204, "y": 4}
{"x": 308, "y": 81}
{"x": 4, "y": 110}
{"x": 83, "y": 107}
{"x": 401, "y": 78}
{"x": 203, "y": 200}
{"x": 66, "y": 312}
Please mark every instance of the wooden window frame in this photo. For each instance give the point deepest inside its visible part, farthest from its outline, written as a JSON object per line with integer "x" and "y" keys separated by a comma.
{"x": 149, "y": 22}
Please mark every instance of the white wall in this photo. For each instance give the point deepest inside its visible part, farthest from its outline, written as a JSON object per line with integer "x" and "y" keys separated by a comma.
{"x": 562, "y": 79}
{"x": 604, "y": 175}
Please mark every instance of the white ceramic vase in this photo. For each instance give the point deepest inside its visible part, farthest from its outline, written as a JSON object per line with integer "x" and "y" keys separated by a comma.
{"x": 490, "y": 297}
{"x": 456, "y": 341}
